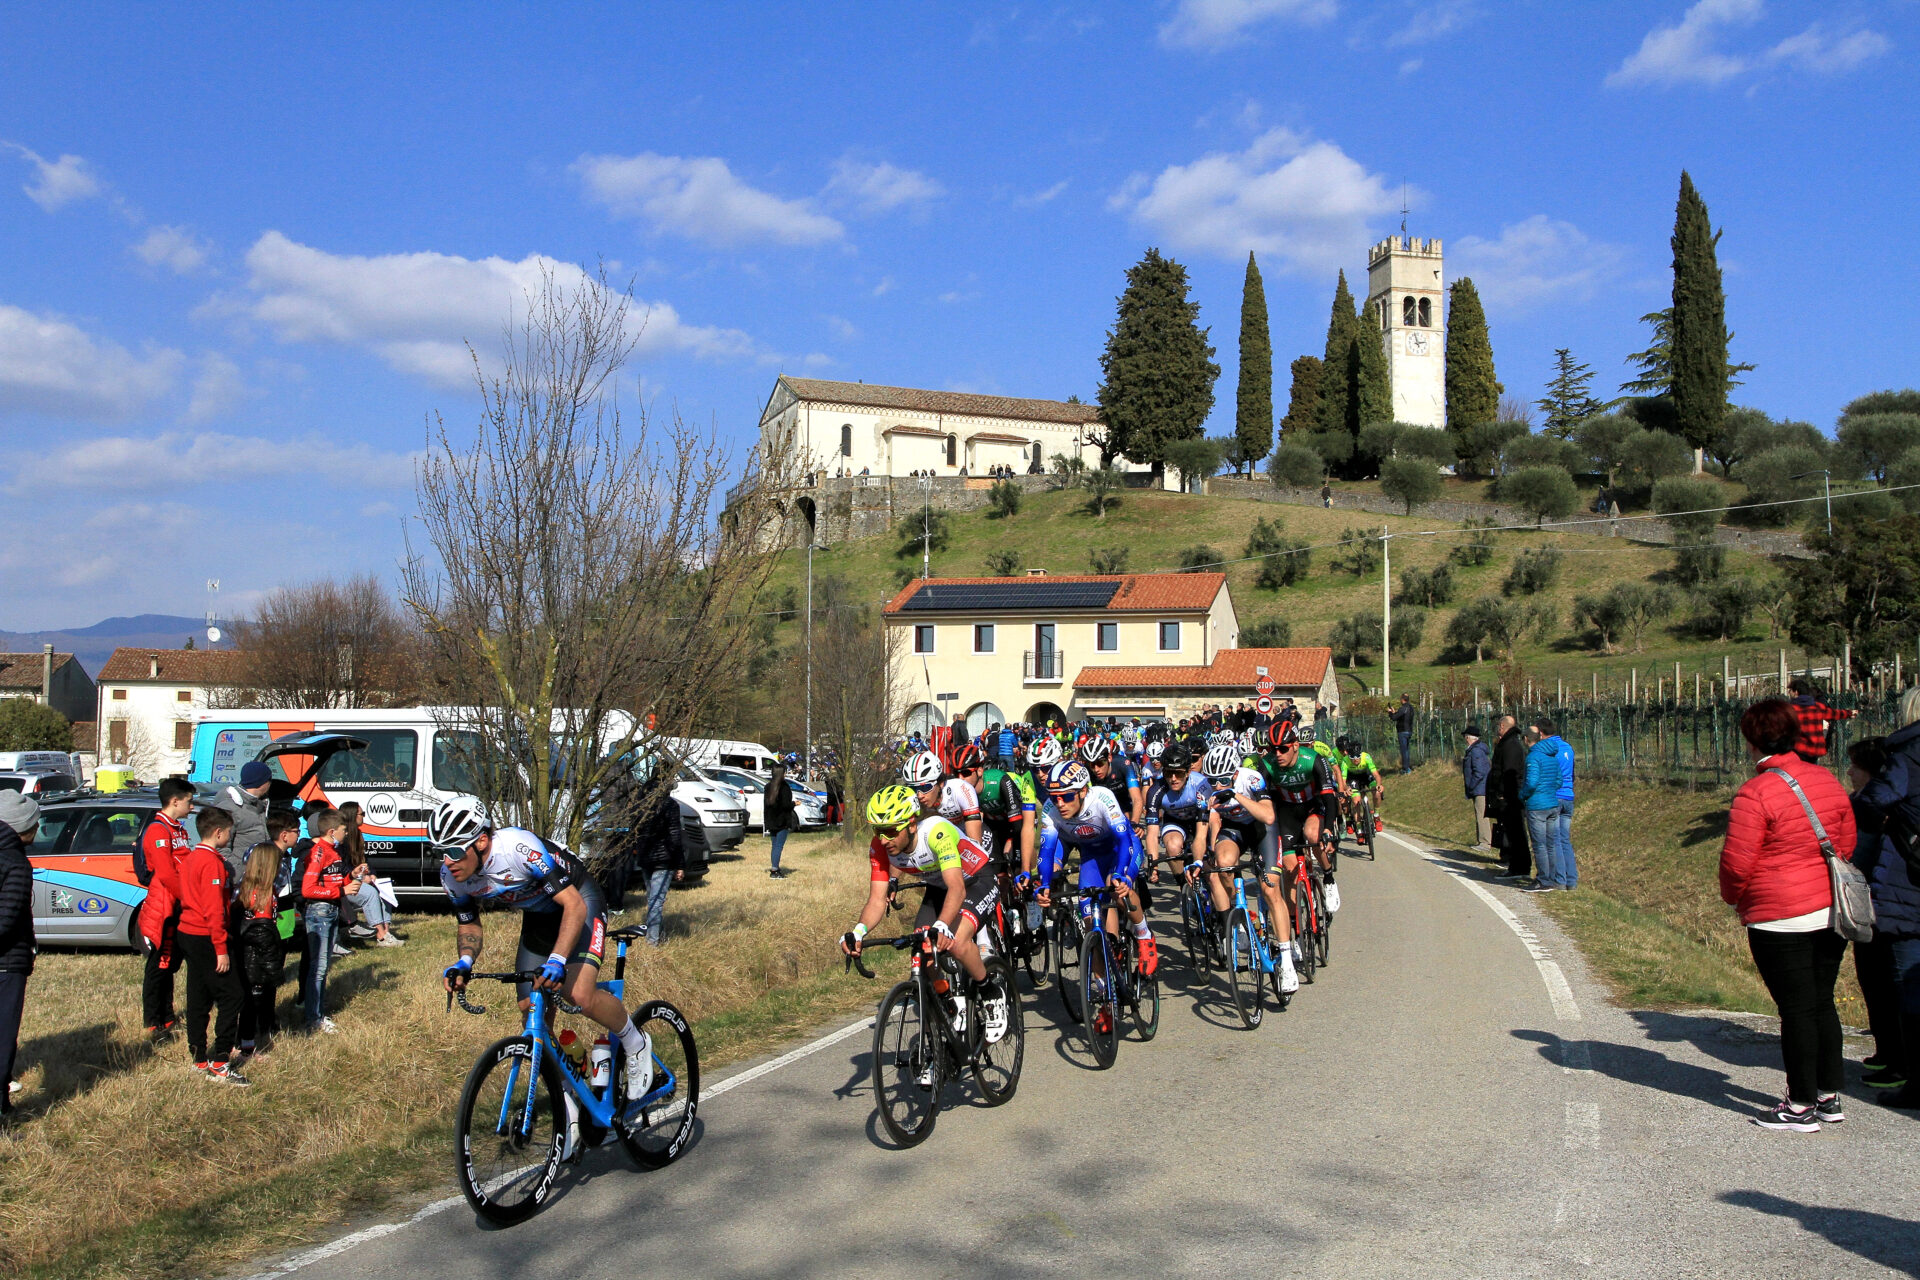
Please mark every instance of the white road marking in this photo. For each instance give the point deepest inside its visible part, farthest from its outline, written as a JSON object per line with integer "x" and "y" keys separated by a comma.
{"x": 333, "y": 1249}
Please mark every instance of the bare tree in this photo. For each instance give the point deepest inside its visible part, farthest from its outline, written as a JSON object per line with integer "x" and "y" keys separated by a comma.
{"x": 579, "y": 603}
{"x": 328, "y": 644}
{"x": 859, "y": 689}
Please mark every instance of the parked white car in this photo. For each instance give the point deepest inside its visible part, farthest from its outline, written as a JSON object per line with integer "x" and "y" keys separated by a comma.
{"x": 721, "y": 810}
{"x": 808, "y": 807}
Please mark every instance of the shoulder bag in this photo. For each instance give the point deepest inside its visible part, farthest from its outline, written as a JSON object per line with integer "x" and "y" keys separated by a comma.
{"x": 1852, "y": 903}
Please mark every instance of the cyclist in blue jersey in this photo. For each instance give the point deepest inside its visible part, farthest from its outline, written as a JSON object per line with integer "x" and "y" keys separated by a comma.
{"x": 1108, "y": 768}
{"x": 562, "y": 914}
{"x": 1081, "y": 816}
{"x": 1177, "y": 811}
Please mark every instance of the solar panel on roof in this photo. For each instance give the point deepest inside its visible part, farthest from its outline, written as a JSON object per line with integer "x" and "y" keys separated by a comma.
{"x": 1020, "y": 594}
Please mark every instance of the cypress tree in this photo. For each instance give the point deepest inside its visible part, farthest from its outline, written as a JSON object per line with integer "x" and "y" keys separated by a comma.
{"x": 1337, "y": 376}
{"x": 1253, "y": 419}
{"x": 1303, "y": 401}
{"x": 1373, "y": 388}
{"x": 1158, "y": 365}
{"x": 1699, "y": 321}
{"x": 1473, "y": 392}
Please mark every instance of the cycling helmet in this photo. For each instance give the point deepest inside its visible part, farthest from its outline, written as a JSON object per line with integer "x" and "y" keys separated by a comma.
{"x": 1045, "y": 753}
{"x": 1176, "y": 758}
{"x": 969, "y": 757}
{"x": 1247, "y": 743}
{"x": 893, "y": 806}
{"x": 1222, "y": 762}
{"x": 1281, "y": 734}
{"x": 1156, "y": 750}
{"x": 1095, "y": 750}
{"x": 1067, "y": 777}
{"x": 457, "y": 823}
{"x": 922, "y": 770}
{"x": 1344, "y": 745}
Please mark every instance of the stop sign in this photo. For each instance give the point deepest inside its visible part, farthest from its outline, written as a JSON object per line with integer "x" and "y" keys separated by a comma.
{"x": 1264, "y": 686}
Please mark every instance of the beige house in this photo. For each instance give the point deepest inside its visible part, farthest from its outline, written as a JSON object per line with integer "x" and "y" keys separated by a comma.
{"x": 1015, "y": 649}
{"x": 149, "y": 699}
{"x": 1301, "y": 676}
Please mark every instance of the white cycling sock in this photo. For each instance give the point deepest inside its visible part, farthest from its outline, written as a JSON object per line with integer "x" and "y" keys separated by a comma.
{"x": 632, "y": 1038}
{"x": 1141, "y": 931}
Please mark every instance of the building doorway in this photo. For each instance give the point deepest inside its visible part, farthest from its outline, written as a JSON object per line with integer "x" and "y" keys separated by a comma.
{"x": 1042, "y": 712}
{"x": 981, "y": 716}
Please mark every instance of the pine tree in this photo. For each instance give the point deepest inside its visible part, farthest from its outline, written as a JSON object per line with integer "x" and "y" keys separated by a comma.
{"x": 1653, "y": 368}
{"x": 1567, "y": 402}
{"x": 1253, "y": 420}
{"x": 1699, "y": 321}
{"x": 1158, "y": 365}
{"x": 1303, "y": 401}
{"x": 1473, "y": 392}
{"x": 1337, "y": 377}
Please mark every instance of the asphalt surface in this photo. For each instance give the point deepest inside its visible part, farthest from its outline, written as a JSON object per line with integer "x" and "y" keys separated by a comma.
{"x": 1453, "y": 1098}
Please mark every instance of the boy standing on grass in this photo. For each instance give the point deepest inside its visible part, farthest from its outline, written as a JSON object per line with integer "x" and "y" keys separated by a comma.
{"x": 202, "y": 940}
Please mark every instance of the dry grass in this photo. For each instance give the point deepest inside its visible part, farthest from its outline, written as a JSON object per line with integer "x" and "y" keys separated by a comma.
{"x": 127, "y": 1165}
{"x": 1648, "y": 914}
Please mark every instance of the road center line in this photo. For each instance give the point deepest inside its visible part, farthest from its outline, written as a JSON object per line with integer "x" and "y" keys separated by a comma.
{"x": 333, "y": 1249}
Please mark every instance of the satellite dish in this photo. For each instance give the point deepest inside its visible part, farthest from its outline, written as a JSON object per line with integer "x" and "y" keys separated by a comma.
{"x": 213, "y": 634}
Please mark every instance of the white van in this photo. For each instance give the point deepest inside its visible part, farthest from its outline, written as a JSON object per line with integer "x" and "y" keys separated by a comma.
{"x": 38, "y": 762}
{"x": 752, "y": 757}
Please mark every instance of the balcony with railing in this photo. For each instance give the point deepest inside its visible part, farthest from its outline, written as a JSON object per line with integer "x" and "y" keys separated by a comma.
{"x": 1045, "y": 666}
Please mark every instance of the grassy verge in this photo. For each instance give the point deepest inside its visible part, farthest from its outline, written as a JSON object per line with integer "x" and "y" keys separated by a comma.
{"x": 127, "y": 1166}
{"x": 1648, "y": 914}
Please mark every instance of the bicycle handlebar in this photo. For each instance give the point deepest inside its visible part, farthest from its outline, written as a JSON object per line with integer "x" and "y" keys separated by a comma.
{"x": 900, "y": 943}
{"x": 523, "y": 975}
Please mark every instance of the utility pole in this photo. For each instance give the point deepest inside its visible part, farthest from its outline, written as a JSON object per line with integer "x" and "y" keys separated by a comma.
{"x": 1826, "y": 486}
{"x": 926, "y": 527}
{"x": 1386, "y": 616}
{"x": 807, "y": 754}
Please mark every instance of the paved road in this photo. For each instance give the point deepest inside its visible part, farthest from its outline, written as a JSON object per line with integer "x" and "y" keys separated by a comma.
{"x": 1454, "y": 1098}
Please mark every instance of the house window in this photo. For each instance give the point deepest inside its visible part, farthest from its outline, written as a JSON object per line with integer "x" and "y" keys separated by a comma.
{"x": 983, "y": 637}
{"x": 1169, "y": 637}
{"x": 1109, "y": 637}
{"x": 1037, "y": 466}
{"x": 183, "y": 695}
{"x": 1426, "y": 313}
{"x": 117, "y": 735}
{"x": 923, "y": 637}
{"x": 182, "y": 735}
{"x": 953, "y": 451}
{"x": 119, "y": 695}
{"x": 846, "y": 439}
{"x": 1407, "y": 311}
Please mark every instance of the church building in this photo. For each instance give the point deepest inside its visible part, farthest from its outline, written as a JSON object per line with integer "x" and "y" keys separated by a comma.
{"x": 1406, "y": 294}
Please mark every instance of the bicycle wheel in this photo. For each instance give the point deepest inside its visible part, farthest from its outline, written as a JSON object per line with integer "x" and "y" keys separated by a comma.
{"x": 1366, "y": 830}
{"x": 1038, "y": 958}
{"x": 1097, "y": 965}
{"x": 1306, "y": 910}
{"x": 657, "y": 1130}
{"x": 511, "y": 1132}
{"x": 996, "y": 1065}
{"x": 1145, "y": 1002}
{"x": 1068, "y": 962}
{"x": 904, "y": 1054}
{"x": 1243, "y": 970}
{"x": 1322, "y": 926}
{"x": 1191, "y": 929}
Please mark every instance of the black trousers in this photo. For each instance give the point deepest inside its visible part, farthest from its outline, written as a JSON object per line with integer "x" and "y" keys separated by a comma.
{"x": 1799, "y": 970}
{"x": 1511, "y": 837}
{"x": 13, "y": 999}
{"x": 156, "y": 988}
{"x": 209, "y": 990}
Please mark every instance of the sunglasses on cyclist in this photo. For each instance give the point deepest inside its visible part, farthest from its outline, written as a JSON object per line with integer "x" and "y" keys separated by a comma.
{"x": 888, "y": 833}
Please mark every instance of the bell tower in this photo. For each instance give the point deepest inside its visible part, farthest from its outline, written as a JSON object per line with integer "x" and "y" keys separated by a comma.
{"x": 1405, "y": 298}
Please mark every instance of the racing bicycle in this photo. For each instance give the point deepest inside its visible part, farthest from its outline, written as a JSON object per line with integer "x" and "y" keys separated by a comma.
{"x": 527, "y": 1105}
{"x": 1252, "y": 961}
{"x": 1111, "y": 981}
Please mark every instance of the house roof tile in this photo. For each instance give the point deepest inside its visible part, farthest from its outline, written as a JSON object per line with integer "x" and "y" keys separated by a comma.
{"x": 22, "y": 670}
{"x": 1230, "y": 669}
{"x": 959, "y": 403}
{"x": 208, "y": 667}
{"x": 1135, "y": 593}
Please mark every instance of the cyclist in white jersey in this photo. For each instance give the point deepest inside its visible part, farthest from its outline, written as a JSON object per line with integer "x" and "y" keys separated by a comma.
{"x": 954, "y": 798}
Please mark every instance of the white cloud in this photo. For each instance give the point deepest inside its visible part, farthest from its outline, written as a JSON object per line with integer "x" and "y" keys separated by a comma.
{"x": 175, "y": 248}
{"x": 418, "y": 311}
{"x": 1535, "y": 261}
{"x": 1046, "y": 196}
{"x": 175, "y": 460}
{"x": 1689, "y": 52}
{"x": 49, "y": 365}
{"x": 700, "y": 198}
{"x": 884, "y": 287}
{"x": 877, "y": 188}
{"x": 842, "y": 328}
{"x": 1216, "y": 24}
{"x": 1411, "y": 65}
{"x": 218, "y": 389}
{"x": 57, "y": 183}
{"x": 1301, "y": 203}
{"x": 1432, "y": 21}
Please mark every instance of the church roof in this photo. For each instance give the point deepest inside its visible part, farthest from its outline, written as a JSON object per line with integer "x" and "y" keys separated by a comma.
{"x": 959, "y": 403}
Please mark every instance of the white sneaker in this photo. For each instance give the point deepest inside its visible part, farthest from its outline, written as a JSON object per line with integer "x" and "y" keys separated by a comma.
{"x": 640, "y": 1069}
{"x": 1289, "y": 980}
{"x": 993, "y": 1016}
{"x": 391, "y": 941}
{"x": 1333, "y": 898}
{"x": 339, "y": 951}
{"x": 326, "y": 1026}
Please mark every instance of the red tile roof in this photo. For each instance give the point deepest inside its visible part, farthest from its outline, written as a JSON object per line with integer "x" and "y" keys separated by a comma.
{"x": 207, "y": 667}
{"x": 959, "y": 403}
{"x": 1138, "y": 593}
{"x": 22, "y": 670}
{"x": 86, "y": 735}
{"x": 1230, "y": 669}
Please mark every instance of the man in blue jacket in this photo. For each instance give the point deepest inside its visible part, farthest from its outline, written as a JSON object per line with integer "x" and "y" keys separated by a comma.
{"x": 1474, "y": 768}
{"x": 1548, "y": 799}
{"x": 1886, "y": 803}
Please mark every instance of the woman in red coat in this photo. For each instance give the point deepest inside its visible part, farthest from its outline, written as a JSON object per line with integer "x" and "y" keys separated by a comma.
{"x": 1773, "y": 872}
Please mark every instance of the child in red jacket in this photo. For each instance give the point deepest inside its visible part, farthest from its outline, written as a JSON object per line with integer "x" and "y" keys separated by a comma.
{"x": 323, "y": 884}
{"x": 212, "y": 979}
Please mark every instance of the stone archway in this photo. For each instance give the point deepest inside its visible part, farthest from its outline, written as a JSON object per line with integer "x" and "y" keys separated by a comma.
{"x": 1041, "y": 712}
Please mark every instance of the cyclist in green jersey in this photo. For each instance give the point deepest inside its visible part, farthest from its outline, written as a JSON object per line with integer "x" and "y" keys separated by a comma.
{"x": 1008, "y": 807}
{"x": 1362, "y": 776}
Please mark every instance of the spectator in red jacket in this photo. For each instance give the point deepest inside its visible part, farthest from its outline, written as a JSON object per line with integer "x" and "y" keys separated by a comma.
{"x": 162, "y": 845}
{"x": 212, "y": 978}
{"x": 1815, "y": 716}
{"x": 1772, "y": 870}
{"x": 325, "y": 881}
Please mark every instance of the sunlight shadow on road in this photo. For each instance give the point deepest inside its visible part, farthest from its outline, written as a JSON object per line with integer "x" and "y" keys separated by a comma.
{"x": 1651, "y": 1070}
{"x": 1887, "y": 1241}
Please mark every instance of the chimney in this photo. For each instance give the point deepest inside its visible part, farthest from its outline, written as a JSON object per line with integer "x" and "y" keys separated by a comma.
{"x": 46, "y": 674}
{"x": 153, "y": 667}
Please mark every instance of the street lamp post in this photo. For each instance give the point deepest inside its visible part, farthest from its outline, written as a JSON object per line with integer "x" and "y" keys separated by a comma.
{"x": 1826, "y": 485}
{"x": 807, "y": 759}
{"x": 1386, "y": 617}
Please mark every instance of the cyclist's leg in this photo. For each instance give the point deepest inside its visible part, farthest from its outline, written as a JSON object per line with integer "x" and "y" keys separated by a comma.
{"x": 983, "y": 891}
{"x": 1173, "y": 842}
{"x": 1226, "y": 852}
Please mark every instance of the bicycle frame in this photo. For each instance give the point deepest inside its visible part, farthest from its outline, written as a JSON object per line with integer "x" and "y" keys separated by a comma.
{"x": 1093, "y": 907}
{"x": 1257, "y": 911}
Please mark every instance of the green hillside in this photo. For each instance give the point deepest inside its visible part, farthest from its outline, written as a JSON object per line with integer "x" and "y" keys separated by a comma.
{"x": 1052, "y": 531}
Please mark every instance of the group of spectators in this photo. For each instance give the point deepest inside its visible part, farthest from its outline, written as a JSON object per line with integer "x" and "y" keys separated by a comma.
{"x": 1521, "y": 790}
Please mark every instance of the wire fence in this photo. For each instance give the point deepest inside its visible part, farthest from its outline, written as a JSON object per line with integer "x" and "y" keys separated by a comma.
{"x": 1681, "y": 743}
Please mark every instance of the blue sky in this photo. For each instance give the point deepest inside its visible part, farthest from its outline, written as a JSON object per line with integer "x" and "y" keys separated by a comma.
{"x": 243, "y": 249}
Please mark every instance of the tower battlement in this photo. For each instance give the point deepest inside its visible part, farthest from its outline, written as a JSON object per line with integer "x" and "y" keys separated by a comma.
{"x": 1404, "y": 245}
